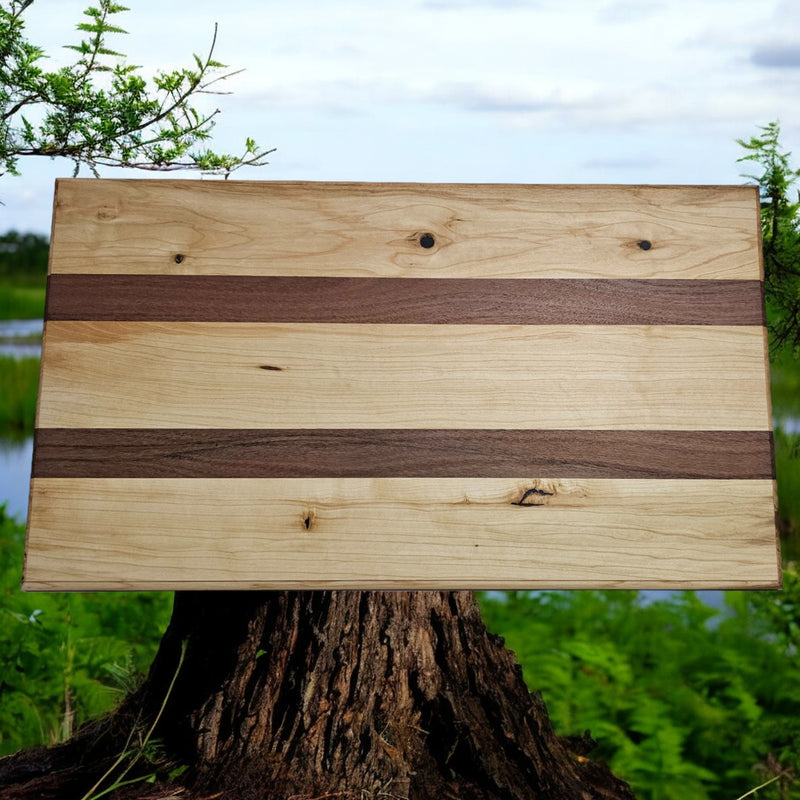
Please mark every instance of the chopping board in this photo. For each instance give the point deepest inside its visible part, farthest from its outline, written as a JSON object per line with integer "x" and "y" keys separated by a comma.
{"x": 272, "y": 385}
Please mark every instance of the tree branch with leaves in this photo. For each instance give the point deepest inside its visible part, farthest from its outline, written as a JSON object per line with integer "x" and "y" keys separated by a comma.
{"x": 101, "y": 111}
{"x": 780, "y": 228}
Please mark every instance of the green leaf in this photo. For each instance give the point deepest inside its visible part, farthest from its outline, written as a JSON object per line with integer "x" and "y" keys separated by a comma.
{"x": 95, "y": 121}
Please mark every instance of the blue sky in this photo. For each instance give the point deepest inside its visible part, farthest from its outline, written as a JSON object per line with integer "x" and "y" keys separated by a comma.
{"x": 523, "y": 91}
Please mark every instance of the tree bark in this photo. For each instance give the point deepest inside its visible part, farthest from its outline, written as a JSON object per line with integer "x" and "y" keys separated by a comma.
{"x": 337, "y": 694}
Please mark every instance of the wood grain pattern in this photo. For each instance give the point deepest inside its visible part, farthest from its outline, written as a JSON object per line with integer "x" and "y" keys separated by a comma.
{"x": 200, "y": 453}
{"x": 374, "y": 230}
{"x": 229, "y": 375}
{"x": 464, "y": 533}
{"x": 302, "y": 385}
{"x": 431, "y": 301}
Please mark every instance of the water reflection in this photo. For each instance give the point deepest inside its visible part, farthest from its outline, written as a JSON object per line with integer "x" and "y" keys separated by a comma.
{"x": 21, "y": 338}
{"x": 15, "y": 475}
{"x": 790, "y": 425}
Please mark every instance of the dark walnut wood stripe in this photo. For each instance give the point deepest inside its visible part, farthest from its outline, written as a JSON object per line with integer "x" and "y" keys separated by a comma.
{"x": 206, "y": 453}
{"x": 239, "y": 298}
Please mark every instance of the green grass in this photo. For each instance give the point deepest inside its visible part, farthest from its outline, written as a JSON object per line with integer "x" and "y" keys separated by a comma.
{"x": 21, "y": 302}
{"x": 787, "y": 471}
{"x": 785, "y": 389}
{"x": 19, "y": 382}
{"x": 785, "y": 385}
{"x": 66, "y": 658}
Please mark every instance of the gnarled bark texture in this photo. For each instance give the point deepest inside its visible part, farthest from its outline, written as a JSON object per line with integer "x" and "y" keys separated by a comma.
{"x": 333, "y": 694}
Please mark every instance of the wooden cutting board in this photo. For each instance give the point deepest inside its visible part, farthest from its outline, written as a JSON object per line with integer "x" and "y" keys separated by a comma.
{"x": 318, "y": 385}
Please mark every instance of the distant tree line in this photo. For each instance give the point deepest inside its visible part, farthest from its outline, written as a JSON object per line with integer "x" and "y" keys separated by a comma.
{"x": 23, "y": 257}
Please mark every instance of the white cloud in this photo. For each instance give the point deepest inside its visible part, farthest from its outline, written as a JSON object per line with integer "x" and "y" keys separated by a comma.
{"x": 777, "y": 55}
{"x": 629, "y": 11}
{"x": 481, "y": 5}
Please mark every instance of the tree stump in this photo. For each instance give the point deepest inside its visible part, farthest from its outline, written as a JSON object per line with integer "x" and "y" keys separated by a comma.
{"x": 334, "y": 694}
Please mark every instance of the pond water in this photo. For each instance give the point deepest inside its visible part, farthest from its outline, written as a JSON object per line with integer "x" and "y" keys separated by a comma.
{"x": 20, "y": 338}
{"x": 790, "y": 425}
{"x": 15, "y": 476}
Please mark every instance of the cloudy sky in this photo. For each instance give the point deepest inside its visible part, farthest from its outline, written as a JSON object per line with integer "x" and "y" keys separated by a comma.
{"x": 524, "y": 91}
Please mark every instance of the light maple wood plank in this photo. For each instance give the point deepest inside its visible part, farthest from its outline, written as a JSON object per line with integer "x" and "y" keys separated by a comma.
{"x": 399, "y": 533}
{"x": 479, "y": 231}
{"x": 227, "y": 375}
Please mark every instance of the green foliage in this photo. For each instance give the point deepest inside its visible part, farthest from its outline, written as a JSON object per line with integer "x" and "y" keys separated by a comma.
{"x": 140, "y": 747}
{"x": 19, "y": 381}
{"x": 23, "y": 274}
{"x": 785, "y": 388}
{"x": 684, "y": 702}
{"x": 785, "y": 385}
{"x": 65, "y": 658}
{"x": 23, "y": 258}
{"x": 777, "y": 614}
{"x": 780, "y": 225}
{"x": 787, "y": 472}
{"x": 21, "y": 302}
{"x": 100, "y": 110}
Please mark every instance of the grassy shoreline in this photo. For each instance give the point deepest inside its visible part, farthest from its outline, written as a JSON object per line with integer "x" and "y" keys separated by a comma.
{"x": 19, "y": 385}
{"x": 21, "y": 302}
